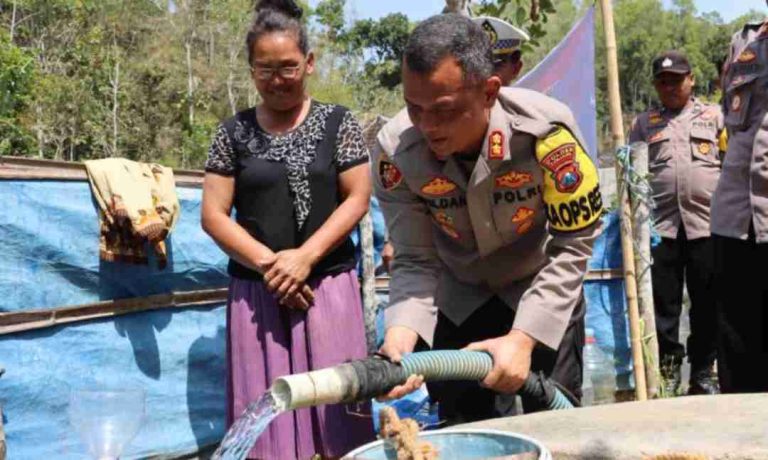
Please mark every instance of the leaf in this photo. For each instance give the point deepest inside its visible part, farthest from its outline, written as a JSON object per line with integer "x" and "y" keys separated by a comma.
{"x": 521, "y": 15}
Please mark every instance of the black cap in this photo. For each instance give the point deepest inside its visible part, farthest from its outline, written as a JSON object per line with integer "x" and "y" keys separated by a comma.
{"x": 672, "y": 62}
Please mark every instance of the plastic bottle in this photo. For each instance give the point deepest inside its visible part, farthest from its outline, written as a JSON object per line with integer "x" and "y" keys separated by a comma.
{"x": 599, "y": 383}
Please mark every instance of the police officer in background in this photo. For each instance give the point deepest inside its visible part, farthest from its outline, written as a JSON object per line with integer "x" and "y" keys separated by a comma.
{"x": 684, "y": 162}
{"x": 506, "y": 40}
{"x": 740, "y": 216}
{"x": 492, "y": 206}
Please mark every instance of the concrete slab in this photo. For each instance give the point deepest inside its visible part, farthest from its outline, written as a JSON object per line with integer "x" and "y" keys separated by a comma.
{"x": 718, "y": 427}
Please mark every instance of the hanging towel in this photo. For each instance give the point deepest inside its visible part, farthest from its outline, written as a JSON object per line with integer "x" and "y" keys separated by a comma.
{"x": 138, "y": 207}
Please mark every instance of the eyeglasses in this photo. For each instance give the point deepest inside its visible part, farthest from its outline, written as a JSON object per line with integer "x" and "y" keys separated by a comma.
{"x": 267, "y": 73}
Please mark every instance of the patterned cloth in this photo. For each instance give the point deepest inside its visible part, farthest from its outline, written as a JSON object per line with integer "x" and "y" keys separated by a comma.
{"x": 295, "y": 149}
{"x": 137, "y": 204}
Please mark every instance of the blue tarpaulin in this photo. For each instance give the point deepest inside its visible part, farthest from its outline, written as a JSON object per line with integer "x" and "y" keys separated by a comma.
{"x": 49, "y": 239}
{"x": 606, "y": 301}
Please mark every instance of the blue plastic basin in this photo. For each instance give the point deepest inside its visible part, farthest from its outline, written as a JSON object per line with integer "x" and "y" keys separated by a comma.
{"x": 461, "y": 444}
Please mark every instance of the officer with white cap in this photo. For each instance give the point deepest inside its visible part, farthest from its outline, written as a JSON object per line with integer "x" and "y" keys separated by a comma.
{"x": 506, "y": 40}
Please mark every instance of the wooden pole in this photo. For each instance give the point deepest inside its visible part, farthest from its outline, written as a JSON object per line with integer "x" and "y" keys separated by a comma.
{"x": 370, "y": 304}
{"x": 628, "y": 253}
{"x": 30, "y": 320}
{"x": 641, "y": 213}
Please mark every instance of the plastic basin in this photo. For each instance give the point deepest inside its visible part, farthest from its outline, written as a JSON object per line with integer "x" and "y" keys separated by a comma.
{"x": 464, "y": 444}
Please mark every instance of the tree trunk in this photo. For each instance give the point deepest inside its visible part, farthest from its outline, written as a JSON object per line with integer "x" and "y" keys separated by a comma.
{"x": 115, "y": 91}
{"x": 211, "y": 47}
{"x": 190, "y": 95}
{"x": 231, "y": 81}
{"x": 13, "y": 22}
{"x": 39, "y": 130}
{"x": 190, "y": 83}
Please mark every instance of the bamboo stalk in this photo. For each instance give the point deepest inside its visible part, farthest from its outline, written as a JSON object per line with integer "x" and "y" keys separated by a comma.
{"x": 628, "y": 253}
{"x": 642, "y": 231}
{"x": 29, "y": 320}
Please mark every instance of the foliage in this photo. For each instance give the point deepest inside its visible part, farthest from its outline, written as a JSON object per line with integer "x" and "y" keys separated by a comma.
{"x": 151, "y": 79}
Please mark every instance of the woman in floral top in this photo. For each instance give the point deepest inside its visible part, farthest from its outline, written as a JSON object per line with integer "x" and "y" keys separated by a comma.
{"x": 296, "y": 172}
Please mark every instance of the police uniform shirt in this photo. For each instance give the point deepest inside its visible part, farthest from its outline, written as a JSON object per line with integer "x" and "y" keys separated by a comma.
{"x": 684, "y": 164}
{"x": 520, "y": 226}
{"x": 741, "y": 196}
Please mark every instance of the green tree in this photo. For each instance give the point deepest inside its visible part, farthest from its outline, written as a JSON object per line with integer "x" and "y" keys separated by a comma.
{"x": 16, "y": 77}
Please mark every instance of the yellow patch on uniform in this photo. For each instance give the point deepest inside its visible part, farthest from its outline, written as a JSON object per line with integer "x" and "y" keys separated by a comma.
{"x": 446, "y": 224}
{"x": 514, "y": 179}
{"x": 496, "y": 145}
{"x": 568, "y": 208}
{"x": 389, "y": 174}
{"x": 736, "y": 103}
{"x": 722, "y": 141}
{"x": 525, "y": 227}
{"x": 522, "y": 214}
{"x": 747, "y": 56}
{"x": 704, "y": 148}
{"x": 438, "y": 186}
{"x": 655, "y": 118}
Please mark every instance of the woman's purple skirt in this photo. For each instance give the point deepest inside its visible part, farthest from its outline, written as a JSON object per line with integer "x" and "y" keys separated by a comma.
{"x": 266, "y": 341}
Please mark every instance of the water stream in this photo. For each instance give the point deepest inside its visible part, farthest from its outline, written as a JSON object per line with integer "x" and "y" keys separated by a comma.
{"x": 244, "y": 433}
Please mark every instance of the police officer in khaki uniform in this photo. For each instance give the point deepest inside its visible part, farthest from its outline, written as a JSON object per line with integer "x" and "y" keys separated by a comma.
{"x": 492, "y": 206}
{"x": 684, "y": 162}
{"x": 740, "y": 216}
{"x": 506, "y": 40}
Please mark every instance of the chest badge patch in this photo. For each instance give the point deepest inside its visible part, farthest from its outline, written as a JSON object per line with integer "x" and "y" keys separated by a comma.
{"x": 514, "y": 179}
{"x": 708, "y": 114}
{"x": 561, "y": 162}
{"x": 704, "y": 148}
{"x": 438, "y": 186}
{"x": 736, "y": 103}
{"x": 657, "y": 136}
{"x": 389, "y": 174}
{"x": 496, "y": 145}
{"x": 446, "y": 224}
{"x": 522, "y": 214}
{"x": 524, "y": 218}
{"x": 746, "y": 56}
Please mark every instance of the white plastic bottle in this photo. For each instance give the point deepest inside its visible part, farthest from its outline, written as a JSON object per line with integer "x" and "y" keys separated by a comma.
{"x": 599, "y": 382}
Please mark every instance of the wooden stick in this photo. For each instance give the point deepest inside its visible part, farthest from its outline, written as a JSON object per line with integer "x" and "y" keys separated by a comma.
{"x": 641, "y": 215}
{"x": 628, "y": 253}
{"x": 368, "y": 284}
{"x": 29, "y": 320}
{"x": 20, "y": 168}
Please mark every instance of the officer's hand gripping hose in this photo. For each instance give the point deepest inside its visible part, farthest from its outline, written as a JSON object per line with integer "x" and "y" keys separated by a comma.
{"x": 367, "y": 378}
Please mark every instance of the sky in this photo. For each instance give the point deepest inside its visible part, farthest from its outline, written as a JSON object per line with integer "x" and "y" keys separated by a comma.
{"x": 419, "y": 9}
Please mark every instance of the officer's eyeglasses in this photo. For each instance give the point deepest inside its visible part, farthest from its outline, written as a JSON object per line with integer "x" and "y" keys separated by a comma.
{"x": 266, "y": 73}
